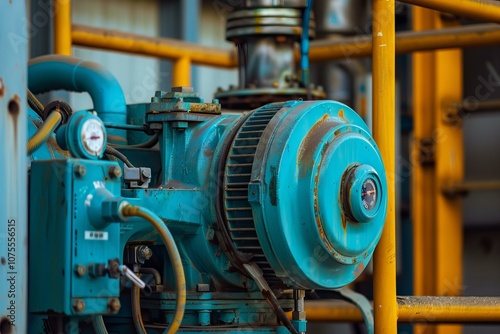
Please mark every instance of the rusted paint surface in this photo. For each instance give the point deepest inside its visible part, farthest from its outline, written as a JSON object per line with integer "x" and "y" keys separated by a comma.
{"x": 206, "y": 108}
{"x": 307, "y": 147}
{"x": 359, "y": 269}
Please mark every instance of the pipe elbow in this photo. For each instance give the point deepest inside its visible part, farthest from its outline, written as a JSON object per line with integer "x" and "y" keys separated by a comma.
{"x": 53, "y": 72}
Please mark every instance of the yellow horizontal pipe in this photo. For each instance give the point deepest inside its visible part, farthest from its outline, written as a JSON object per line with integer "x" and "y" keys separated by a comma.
{"x": 449, "y": 309}
{"x": 407, "y": 42}
{"x": 173, "y": 49}
{"x": 484, "y": 10}
{"x": 414, "y": 310}
{"x": 356, "y": 47}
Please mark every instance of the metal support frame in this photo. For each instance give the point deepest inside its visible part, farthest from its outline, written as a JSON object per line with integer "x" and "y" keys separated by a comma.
{"x": 383, "y": 49}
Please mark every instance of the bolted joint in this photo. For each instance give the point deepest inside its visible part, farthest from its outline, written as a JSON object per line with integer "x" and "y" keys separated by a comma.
{"x": 143, "y": 253}
{"x": 114, "y": 305}
{"x": 112, "y": 210}
{"x": 78, "y": 305}
{"x": 80, "y": 270}
{"x": 115, "y": 172}
{"x": 80, "y": 170}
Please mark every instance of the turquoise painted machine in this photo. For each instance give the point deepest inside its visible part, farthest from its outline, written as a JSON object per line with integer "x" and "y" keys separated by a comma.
{"x": 249, "y": 211}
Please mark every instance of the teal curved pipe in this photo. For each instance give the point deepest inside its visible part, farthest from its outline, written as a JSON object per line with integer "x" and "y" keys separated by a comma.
{"x": 53, "y": 72}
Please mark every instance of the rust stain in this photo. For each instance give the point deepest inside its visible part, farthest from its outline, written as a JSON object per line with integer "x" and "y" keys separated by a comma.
{"x": 341, "y": 114}
{"x": 2, "y": 87}
{"x": 305, "y": 159}
{"x": 2, "y": 260}
{"x": 359, "y": 269}
{"x": 343, "y": 219}
{"x": 14, "y": 109}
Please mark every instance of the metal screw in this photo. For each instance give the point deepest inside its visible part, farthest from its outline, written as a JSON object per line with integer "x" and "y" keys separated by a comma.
{"x": 78, "y": 305}
{"x": 80, "y": 170}
{"x": 80, "y": 270}
{"x": 182, "y": 89}
{"x": 114, "y": 305}
{"x": 115, "y": 172}
{"x": 144, "y": 253}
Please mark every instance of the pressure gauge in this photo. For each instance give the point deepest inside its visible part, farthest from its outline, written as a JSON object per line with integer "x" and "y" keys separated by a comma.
{"x": 369, "y": 194}
{"x": 92, "y": 134}
{"x": 84, "y": 136}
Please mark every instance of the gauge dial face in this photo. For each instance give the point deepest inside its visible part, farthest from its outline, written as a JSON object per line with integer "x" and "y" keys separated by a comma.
{"x": 93, "y": 137}
{"x": 369, "y": 194}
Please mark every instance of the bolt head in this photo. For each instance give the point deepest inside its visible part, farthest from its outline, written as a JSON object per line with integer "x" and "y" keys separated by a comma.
{"x": 78, "y": 305}
{"x": 143, "y": 253}
{"x": 80, "y": 270}
{"x": 115, "y": 172}
{"x": 80, "y": 170}
{"x": 114, "y": 305}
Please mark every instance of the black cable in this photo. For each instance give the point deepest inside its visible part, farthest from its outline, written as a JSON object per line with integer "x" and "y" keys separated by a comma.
{"x": 147, "y": 144}
{"x": 111, "y": 151}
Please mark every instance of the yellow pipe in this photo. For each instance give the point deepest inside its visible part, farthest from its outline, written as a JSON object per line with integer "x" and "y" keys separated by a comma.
{"x": 44, "y": 132}
{"x": 172, "y": 49}
{"x": 384, "y": 124}
{"x": 483, "y": 10}
{"x": 423, "y": 197}
{"x": 408, "y": 42}
{"x": 62, "y": 27}
{"x": 449, "y": 169}
{"x": 449, "y": 310}
{"x": 414, "y": 310}
{"x": 423, "y": 179}
{"x": 181, "y": 72}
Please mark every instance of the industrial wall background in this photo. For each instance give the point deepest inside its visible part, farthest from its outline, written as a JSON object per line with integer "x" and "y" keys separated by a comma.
{"x": 130, "y": 203}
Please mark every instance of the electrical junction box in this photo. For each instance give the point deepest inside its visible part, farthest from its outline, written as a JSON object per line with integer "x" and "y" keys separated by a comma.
{"x": 73, "y": 266}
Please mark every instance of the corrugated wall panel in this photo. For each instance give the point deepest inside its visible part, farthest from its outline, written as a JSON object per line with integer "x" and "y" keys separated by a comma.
{"x": 212, "y": 33}
{"x": 139, "y": 76}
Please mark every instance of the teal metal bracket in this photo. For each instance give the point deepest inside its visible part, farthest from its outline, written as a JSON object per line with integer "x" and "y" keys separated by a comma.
{"x": 363, "y": 304}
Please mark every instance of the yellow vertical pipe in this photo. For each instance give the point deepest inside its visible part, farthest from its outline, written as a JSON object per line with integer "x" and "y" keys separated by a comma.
{"x": 62, "y": 27}
{"x": 181, "y": 72}
{"x": 423, "y": 180}
{"x": 449, "y": 169}
{"x": 384, "y": 118}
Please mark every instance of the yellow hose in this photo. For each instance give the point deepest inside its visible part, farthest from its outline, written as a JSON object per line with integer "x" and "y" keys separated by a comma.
{"x": 44, "y": 132}
{"x": 136, "y": 310}
{"x": 175, "y": 258}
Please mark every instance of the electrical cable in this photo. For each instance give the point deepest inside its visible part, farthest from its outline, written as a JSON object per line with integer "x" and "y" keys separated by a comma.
{"x": 114, "y": 152}
{"x": 175, "y": 258}
{"x": 136, "y": 310}
{"x": 147, "y": 144}
{"x": 35, "y": 104}
{"x": 44, "y": 132}
{"x": 98, "y": 325}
